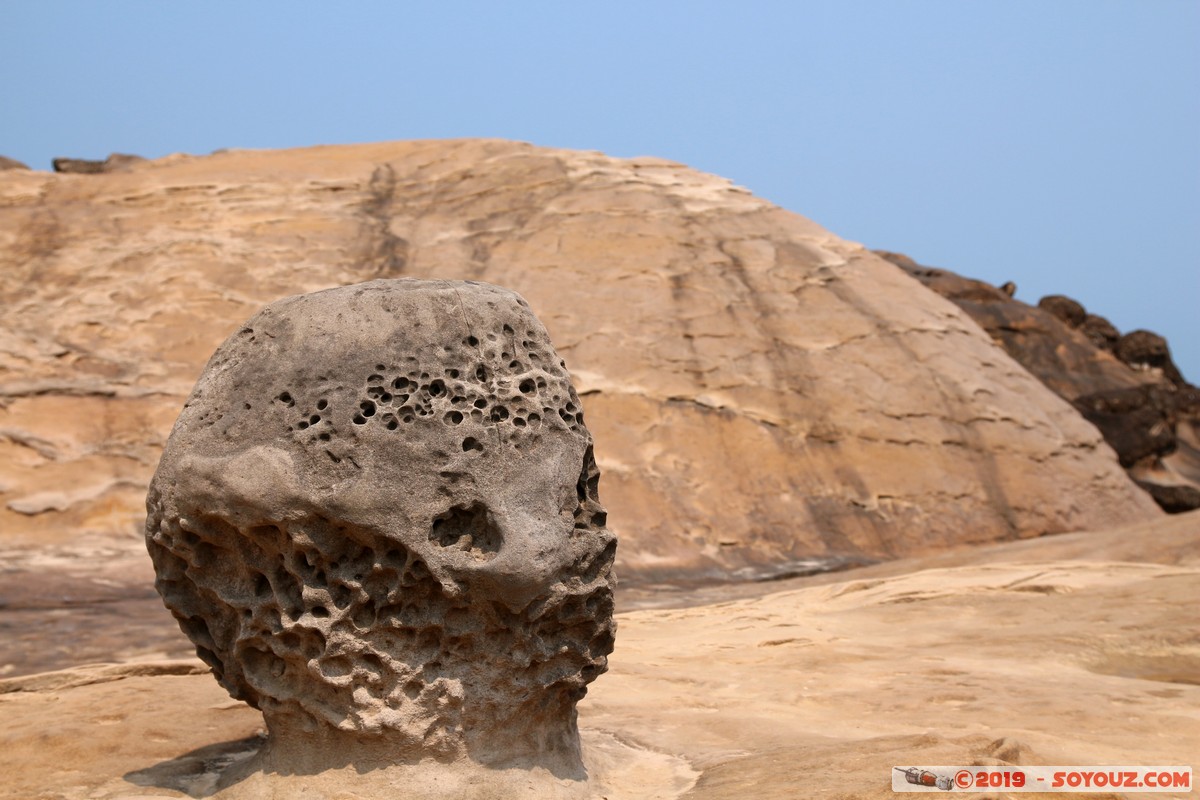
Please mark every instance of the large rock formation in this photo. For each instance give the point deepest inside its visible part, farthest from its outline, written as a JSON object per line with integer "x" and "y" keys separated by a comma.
{"x": 765, "y": 394}
{"x": 377, "y": 518}
{"x": 1127, "y": 386}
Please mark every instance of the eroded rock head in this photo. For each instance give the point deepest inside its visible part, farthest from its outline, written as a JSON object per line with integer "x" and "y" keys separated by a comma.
{"x": 377, "y": 518}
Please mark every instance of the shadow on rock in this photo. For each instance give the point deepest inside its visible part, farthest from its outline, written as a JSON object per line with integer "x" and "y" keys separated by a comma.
{"x": 199, "y": 773}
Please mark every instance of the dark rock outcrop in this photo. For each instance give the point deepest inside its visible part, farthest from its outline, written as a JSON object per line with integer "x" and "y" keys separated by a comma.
{"x": 117, "y": 162}
{"x": 1127, "y": 386}
{"x": 1144, "y": 350}
{"x": 11, "y": 163}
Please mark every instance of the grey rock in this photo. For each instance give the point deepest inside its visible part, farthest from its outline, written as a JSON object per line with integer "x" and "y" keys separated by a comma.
{"x": 377, "y": 519}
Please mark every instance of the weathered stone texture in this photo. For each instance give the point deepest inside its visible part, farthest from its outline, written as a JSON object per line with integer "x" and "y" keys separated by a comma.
{"x": 768, "y": 394}
{"x": 377, "y": 518}
{"x": 1127, "y": 386}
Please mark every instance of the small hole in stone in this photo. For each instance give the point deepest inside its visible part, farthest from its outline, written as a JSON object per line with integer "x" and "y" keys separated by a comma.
{"x": 322, "y": 405}
{"x": 437, "y": 389}
{"x": 527, "y": 386}
{"x": 408, "y": 418}
{"x": 499, "y": 414}
{"x": 471, "y": 443}
{"x": 480, "y": 403}
{"x": 359, "y": 419}
{"x": 520, "y": 423}
{"x": 374, "y": 378}
{"x": 320, "y": 611}
{"x": 302, "y": 424}
{"x": 314, "y": 419}
{"x": 368, "y": 408}
{"x": 400, "y": 382}
{"x": 534, "y": 418}
{"x": 324, "y": 437}
{"x": 286, "y": 399}
{"x": 471, "y": 341}
{"x": 452, "y": 373}
{"x": 481, "y": 373}
{"x": 515, "y": 365}
{"x": 454, "y": 417}
{"x": 392, "y": 424}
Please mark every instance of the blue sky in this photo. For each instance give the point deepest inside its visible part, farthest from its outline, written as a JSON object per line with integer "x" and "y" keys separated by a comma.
{"x": 1055, "y": 143}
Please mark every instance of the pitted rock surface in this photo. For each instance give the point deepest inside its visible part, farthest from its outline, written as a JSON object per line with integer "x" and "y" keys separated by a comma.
{"x": 377, "y": 519}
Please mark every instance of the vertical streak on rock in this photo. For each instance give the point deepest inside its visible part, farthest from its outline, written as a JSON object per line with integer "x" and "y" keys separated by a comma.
{"x": 384, "y": 254}
{"x": 982, "y": 458}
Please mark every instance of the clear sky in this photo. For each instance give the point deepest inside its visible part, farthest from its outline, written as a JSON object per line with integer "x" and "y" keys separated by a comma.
{"x": 1055, "y": 143}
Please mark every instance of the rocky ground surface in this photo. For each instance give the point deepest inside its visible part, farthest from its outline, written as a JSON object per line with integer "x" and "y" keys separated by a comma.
{"x": 763, "y": 393}
{"x": 1075, "y": 649}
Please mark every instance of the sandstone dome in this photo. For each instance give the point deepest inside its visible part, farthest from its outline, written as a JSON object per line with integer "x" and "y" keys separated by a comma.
{"x": 762, "y": 393}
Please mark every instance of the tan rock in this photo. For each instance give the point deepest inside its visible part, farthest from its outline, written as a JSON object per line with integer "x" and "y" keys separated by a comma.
{"x": 762, "y": 393}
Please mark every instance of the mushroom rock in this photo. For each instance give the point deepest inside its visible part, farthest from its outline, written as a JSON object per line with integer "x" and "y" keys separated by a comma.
{"x": 377, "y": 519}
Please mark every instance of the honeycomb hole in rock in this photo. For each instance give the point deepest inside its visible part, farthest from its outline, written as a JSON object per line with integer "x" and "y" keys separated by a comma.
{"x": 467, "y": 528}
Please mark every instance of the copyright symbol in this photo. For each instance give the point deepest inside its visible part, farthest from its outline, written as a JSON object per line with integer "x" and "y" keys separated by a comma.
{"x": 962, "y": 779}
